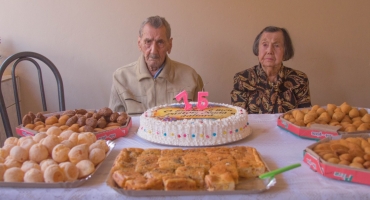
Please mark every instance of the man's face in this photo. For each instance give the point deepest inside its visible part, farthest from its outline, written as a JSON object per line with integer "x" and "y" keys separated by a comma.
{"x": 154, "y": 45}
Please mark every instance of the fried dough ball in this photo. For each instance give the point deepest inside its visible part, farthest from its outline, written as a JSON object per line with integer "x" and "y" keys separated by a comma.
{"x": 366, "y": 118}
{"x": 19, "y": 154}
{"x": 331, "y": 107}
{"x": 38, "y": 153}
{"x": 96, "y": 155}
{"x": 356, "y": 165}
{"x": 34, "y": 176}
{"x": 46, "y": 163}
{"x": 51, "y": 120}
{"x": 13, "y": 174}
{"x": 324, "y": 116}
{"x": 338, "y": 116}
{"x": 70, "y": 171}
{"x": 11, "y": 140}
{"x": 309, "y": 117}
{"x": 50, "y": 142}
{"x": 354, "y": 112}
{"x": 29, "y": 164}
{"x": 363, "y": 112}
{"x": 53, "y": 174}
{"x": 345, "y": 108}
{"x": 85, "y": 168}
{"x": 60, "y": 153}
{"x": 63, "y": 119}
{"x": 78, "y": 153}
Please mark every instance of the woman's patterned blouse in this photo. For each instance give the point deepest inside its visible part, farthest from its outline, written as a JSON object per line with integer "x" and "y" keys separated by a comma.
{"x": 253, "y": 92}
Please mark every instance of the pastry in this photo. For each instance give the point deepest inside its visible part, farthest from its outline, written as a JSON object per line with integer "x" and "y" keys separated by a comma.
{"x": 38, "y": 153}
{"x": 60, "y": 153}
{"x": 85, "y": 168}
{"x": 34, "y": 176}
{"x": 13, "y": 174}
{"x": 70, "y": 171}
{"x": 53, "y": 174}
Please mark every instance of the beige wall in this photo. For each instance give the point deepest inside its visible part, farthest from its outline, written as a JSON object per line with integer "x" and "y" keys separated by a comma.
{"x": 88, "y": 39}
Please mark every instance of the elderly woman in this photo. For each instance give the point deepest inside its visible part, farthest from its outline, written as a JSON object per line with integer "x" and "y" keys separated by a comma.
{"x": 271, "y": 87}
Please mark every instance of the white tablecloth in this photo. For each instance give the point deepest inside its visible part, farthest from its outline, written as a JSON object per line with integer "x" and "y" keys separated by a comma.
{"x": 277, "y": 147}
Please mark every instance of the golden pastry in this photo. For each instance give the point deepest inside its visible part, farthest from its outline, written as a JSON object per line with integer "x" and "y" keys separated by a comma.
{"x": 54, "y": 131}
{"x": 354, "y": 112}
{"x": 345, "y": 108}
{"x": 50, "y": 142}
{"x": 27, "y": 144}
{"x": 11, "y": 162}
{"x": 366, "y": 118}
{"x": 363, "y": 112}
{"x": 63, "y": 119}
{"x": 38, "y": 136}
{"x": 100, "y": 144}
{"x": 11, "y": 140}
{"x": 19, "y": 154}
{"x": 338, "y": 116}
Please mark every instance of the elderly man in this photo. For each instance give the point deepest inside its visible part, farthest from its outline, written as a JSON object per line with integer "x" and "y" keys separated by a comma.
{"x": 154, "y": 79}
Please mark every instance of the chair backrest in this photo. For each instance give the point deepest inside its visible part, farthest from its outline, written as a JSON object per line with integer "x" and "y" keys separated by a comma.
{"x": 28, "y": 56}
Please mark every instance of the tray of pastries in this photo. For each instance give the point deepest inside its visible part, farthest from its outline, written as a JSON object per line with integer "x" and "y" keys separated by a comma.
{"x": 198, "y": 171}
{"x": 51, "y": 161}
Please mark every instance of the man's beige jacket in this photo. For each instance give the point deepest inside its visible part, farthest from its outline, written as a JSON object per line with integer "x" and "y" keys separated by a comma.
{"x": 134, "y": 90}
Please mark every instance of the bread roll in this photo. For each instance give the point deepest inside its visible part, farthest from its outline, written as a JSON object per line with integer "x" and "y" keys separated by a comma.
{"x": 2, "y": 171}
{"x": 46, "y": 163}
{"x": 85, "y": 168}
{"x": 63, "y": 119}
{"x": 11, "y": 162}
{"x": 39, "y": 136}
{"x": 4, "y": 153}
{"x": 34, "y": 176}
{"x": 8, "y": 146}
{"x": 50, "y": 142}
{"x": 53, "y": 174}
{"x": 100, "y": 144}
{"x": 19, "y": 154}
{"x": 74, "y": 137}
{"x": 96, "y": 156}
{"x": 68, "y": 144}
{"x": 29, "y": 164}
{"x": 13, "y": 174}
{"x": 38, "y": 153}
{"x": 11, "y": 140}
{"x": 70, "y": 171}
{"x": 78, "y": 153}
{"x": 51, "y": 120}
{"x": 27, "y": 144}
{"x": 60, "y": 153}
{"x": 54, "y": 130}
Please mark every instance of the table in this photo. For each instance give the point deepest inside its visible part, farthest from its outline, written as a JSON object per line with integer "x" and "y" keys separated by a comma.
{"x": 277, "y": 147}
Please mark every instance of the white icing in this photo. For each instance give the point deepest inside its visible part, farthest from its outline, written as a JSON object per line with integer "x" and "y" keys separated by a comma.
{"x": 194, "y": 132}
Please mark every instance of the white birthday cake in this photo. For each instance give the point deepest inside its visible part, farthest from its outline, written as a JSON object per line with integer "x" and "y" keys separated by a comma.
{"x": 173, "y": 125}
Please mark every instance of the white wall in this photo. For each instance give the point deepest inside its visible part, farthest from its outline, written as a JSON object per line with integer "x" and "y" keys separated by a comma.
{"x": 88, "y": 39}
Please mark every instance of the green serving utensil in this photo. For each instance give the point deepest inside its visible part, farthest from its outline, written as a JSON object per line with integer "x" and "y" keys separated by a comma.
{"x": 272, "y": 173}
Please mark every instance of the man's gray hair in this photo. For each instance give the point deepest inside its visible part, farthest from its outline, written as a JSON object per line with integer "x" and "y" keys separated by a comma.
{"x": 156, "y": 22}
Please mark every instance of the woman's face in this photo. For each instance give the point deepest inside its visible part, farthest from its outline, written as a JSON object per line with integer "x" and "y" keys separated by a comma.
{"x": 271, "y": 49}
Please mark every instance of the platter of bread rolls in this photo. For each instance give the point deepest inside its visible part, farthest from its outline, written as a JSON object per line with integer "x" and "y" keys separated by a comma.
{"x": 51, "y": 159}
{"x": 326, "y": 120}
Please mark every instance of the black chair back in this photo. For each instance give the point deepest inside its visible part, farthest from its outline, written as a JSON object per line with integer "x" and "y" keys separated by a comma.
{"x": 28, "y": 56}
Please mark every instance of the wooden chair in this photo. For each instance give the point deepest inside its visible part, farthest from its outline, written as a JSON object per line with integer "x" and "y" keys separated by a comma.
{"x": 28, "y": 56}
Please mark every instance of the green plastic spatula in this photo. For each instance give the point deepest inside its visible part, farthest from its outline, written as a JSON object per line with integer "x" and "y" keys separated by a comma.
{"x": 272, "y": 173}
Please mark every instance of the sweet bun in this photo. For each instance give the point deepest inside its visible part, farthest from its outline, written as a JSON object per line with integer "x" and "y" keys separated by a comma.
{"x": 33, "y": 176}
{"x": 29, "y": 164}
{"x": 63, "y": 119}
{"x": 13, "y": 174}
{"x": 19, "y": 154}
{"x": 11, "y": 162}
{"x": 85, "y": 168}
{"x": 46, "y": 163}
{"x": 66, "y": 134}
{"x": 68, "y": 143}
{"x": 38, "y": 153}
{"x": 60, "y": 153}
{"x": 84, "y": 138}
{"x": 96, "y": 155}
{"x": 53, "y": 174}
{"x": 345, "y": 108}
{"x": 78, "y": 153}
{"x": 70, "y": 171}
{"x": 51, "y": 120}
{"x": 74, "y": 137}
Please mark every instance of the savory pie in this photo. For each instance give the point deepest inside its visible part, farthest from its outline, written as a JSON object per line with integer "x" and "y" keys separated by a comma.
{"x": 212, "y": 168}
